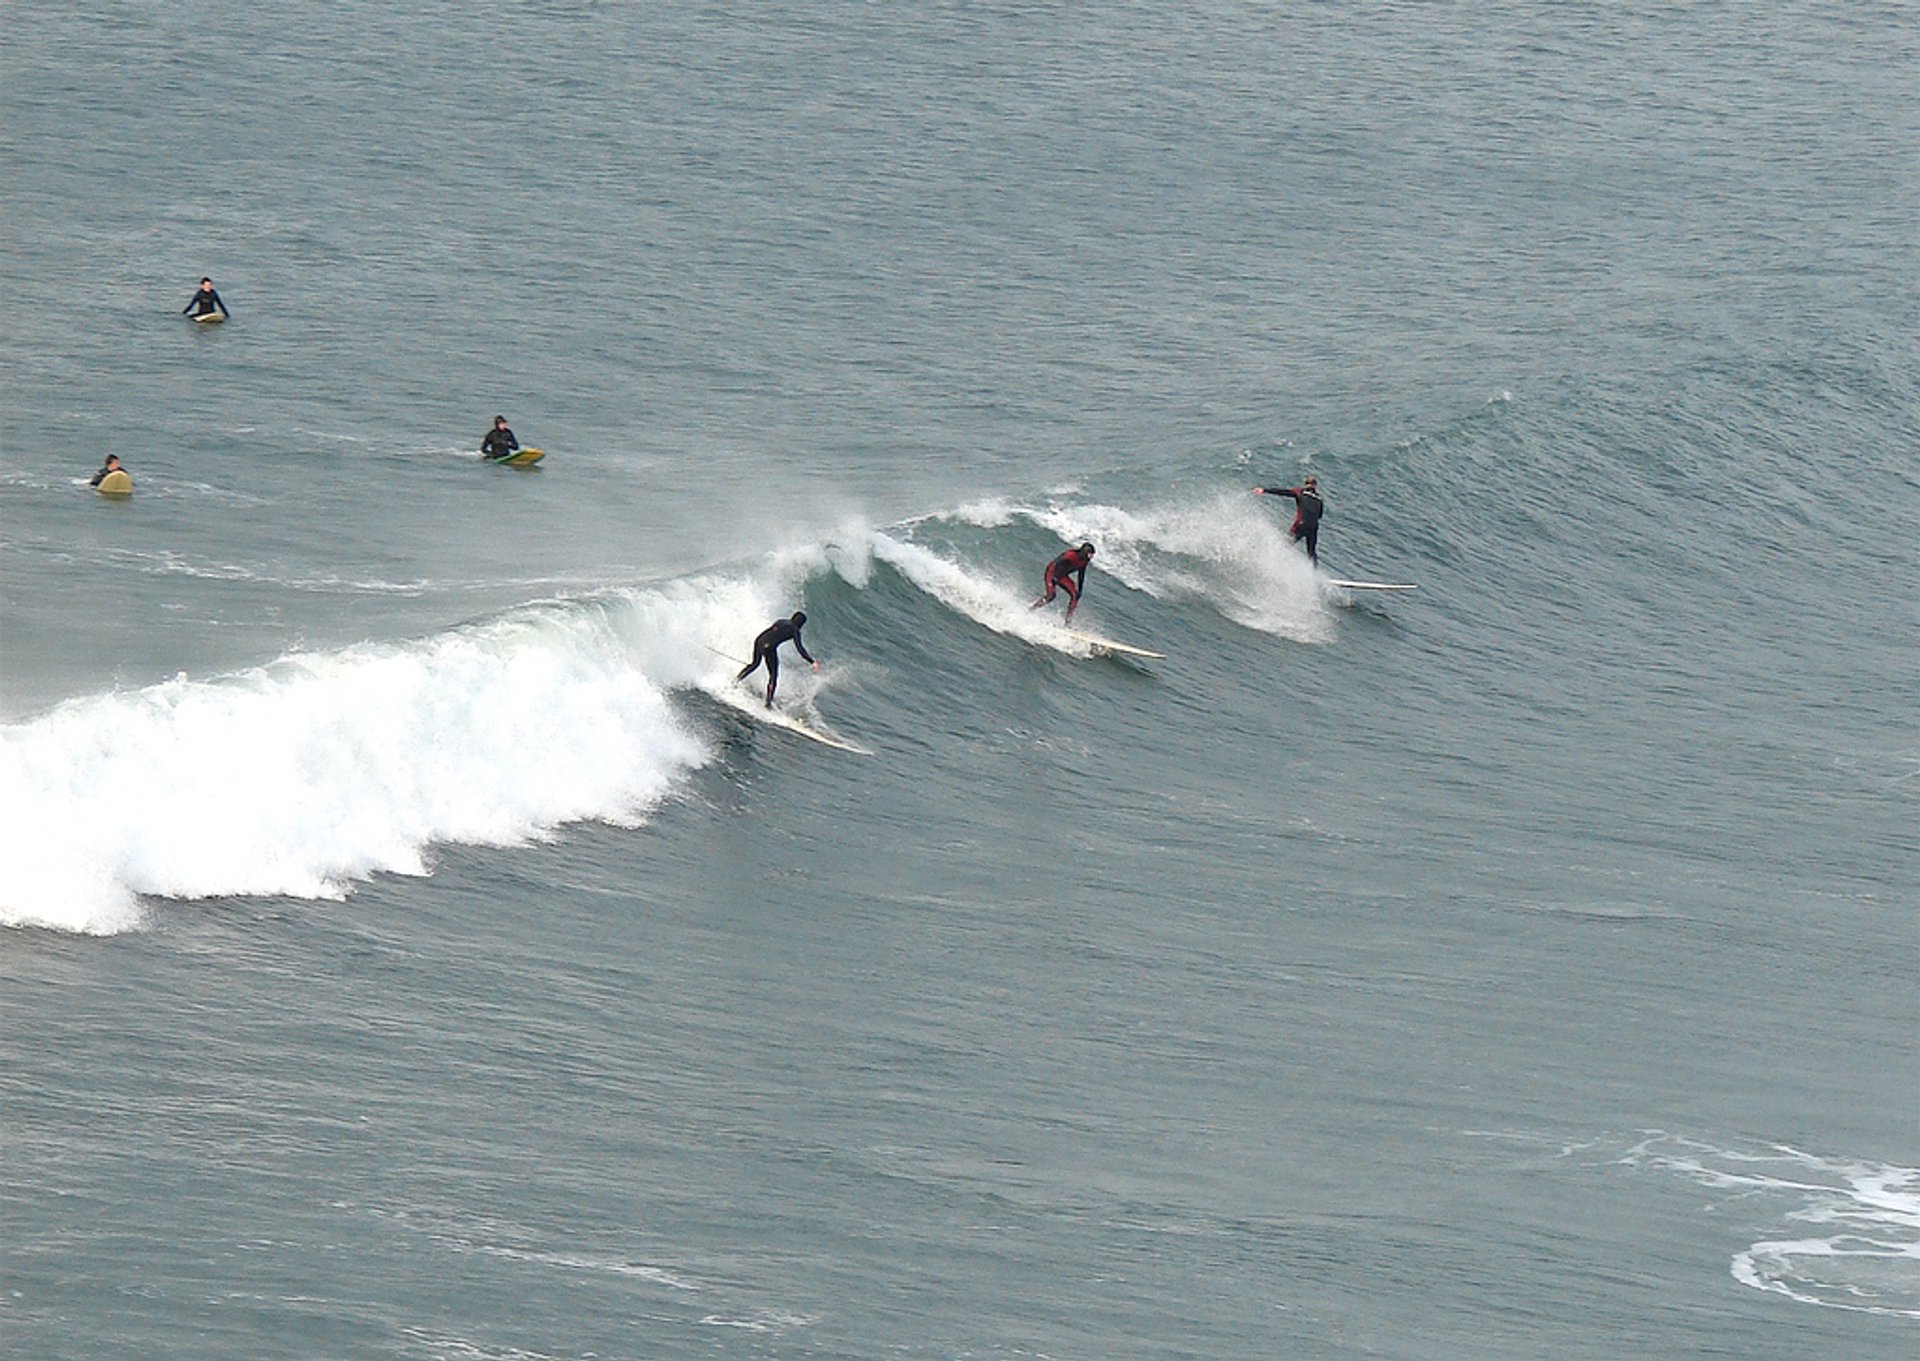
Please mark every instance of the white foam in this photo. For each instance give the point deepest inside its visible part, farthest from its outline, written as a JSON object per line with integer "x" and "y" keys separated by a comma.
{"x": 300, "y": 777}
{"x": 1229, "y": 550}
{"x": 998, "y": 605}
{"x": 1870, "y": 1263}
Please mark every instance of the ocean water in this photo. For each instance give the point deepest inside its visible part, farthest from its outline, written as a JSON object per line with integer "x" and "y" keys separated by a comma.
{"x": 414, "y": 950}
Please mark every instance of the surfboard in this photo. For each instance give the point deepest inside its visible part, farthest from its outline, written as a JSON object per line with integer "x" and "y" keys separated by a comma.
{"x": 116, "y": 483}
{"x": 210, "y": 318}
{"x": 1109, "y": 647}
{"x": 1371, "y": 585}
{"x": 754, "y": 707}
{"x": 520, "y": 458}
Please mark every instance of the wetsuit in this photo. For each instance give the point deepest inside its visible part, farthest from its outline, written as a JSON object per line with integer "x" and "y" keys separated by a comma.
{"x": 1306, "y": 518}
{"x": 498, "y": 443}
{"x": 1068, "y": 572}
{"x": 766, "y": 648}
{"x": 101, "y": 476}
{"x": 204, "y": 301}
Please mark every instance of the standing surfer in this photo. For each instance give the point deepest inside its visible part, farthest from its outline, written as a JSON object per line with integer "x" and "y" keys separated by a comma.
{"x": 205, "y": 302}
{"x": 766, "y": 648}
{"x": 1067, "y": 572}
{"x": 498, "y": 443}
{"x": 1306, "y": 516}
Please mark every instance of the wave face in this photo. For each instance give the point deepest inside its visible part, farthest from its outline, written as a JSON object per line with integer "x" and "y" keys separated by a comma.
{"x": 300, "y": 777}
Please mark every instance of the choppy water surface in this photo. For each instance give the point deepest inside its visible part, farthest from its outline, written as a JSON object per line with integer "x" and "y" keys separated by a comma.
{"x": 416, "y": 952}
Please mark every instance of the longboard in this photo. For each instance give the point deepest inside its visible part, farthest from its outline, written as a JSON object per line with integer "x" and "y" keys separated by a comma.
{"x": 210, "y": 318}
{"x": 520, "y": 458}
{"x": 754, "y": 707}
{"x": 1109, "y": 646}
{"x": 115, "y": 483}
{"x": 1371, "y": 585}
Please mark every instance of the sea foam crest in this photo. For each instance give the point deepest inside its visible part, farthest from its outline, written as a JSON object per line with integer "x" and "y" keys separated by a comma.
{"x": 1230, "y": 551}
{"x": 299, "y": 777}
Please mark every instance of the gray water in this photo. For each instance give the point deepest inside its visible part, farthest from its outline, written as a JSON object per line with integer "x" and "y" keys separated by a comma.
{"x": 413, "y": 953}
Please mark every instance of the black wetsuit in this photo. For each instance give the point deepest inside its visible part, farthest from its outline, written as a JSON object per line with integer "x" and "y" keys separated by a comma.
{"x": 766, "y": 648}
{"x": 204, "y": 301}
{"x": 499, "y": 442}
{"x": 1306, "y": 519}
{"x": 101, "y": 476}
{"x": 1069, "y": 570}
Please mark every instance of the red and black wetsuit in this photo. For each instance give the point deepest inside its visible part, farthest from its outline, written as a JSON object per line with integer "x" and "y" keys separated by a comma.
{"x": 1306, "y": 516}
{"x": 1068, "y": 572}
{"x": 766, "y": 648}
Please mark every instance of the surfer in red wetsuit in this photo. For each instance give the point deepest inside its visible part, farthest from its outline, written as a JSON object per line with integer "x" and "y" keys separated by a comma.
{"x": 1308, "y": 508}
{"x": 1067, "y": 572}
{"x": 766, "y": 648}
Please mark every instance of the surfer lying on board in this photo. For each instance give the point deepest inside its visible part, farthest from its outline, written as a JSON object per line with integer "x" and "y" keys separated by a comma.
{"x": 1067, "y": 572}
{"x": 766, "y": 648}
{"x": 499, "y": 441}
{"x": 1306, "y": 516}
{"x": 112, "y": 466}
{"x": 205, "y": 301}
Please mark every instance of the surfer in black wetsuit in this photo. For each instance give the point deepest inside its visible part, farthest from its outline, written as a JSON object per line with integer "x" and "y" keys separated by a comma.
{"x": 112, "y": 466}
{"x": 1306, "y": 516}
{"x": 766, "y": 648}
{"x": 1067, "y": 572}
{"x": 205, "y": 301}
{"x": 499, "y": 441}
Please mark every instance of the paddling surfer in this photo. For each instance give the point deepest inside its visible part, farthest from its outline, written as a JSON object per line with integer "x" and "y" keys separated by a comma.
{"x": 1068, "y": 572}
{"x": 112, "y": 465}
{"x": 766, "y": 648}
{"x": 1308, "y": 508}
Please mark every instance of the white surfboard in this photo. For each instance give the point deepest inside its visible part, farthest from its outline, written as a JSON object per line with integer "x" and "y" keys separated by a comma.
{"x": 754, "y": 707}
{"x": 1371, "y": 585}
{"x": 1109, "y": 646}
{"x": 209, "y": 318}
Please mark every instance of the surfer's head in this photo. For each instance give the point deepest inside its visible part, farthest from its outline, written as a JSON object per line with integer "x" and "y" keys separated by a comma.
{"x": 206, "y": 283}
{"x": 799, "y": 618}
{"x": 1087, "y": 548}
{"x": 1311, "y": 483}
{"x": 499, "y": 421}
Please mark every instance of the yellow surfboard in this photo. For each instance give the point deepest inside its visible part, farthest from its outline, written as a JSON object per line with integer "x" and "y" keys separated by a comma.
{"x": 116, "y": 483}
{"x": 210, "y": 318}
{"x": 520, "y": 458}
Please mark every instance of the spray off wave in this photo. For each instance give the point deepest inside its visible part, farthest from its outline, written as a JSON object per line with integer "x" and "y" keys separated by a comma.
{"x": 300, "y": 777}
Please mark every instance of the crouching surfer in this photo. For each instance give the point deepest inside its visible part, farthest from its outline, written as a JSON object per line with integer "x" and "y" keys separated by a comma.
{"x": 1068, "y": 573}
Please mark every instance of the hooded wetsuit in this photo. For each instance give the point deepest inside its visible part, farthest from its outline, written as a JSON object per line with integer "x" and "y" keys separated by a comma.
{"x": 499, "y": 442}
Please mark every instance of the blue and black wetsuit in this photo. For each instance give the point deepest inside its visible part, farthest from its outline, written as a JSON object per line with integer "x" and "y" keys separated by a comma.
{"x": 206, "y": 300}
{"x": 498, "y": 443}
{"x": 766, "y": 649}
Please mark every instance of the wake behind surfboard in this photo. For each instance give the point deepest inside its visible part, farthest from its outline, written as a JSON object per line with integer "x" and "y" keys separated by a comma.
{"x": 748, "y": 700}
{"x": 1111, "y": 647}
